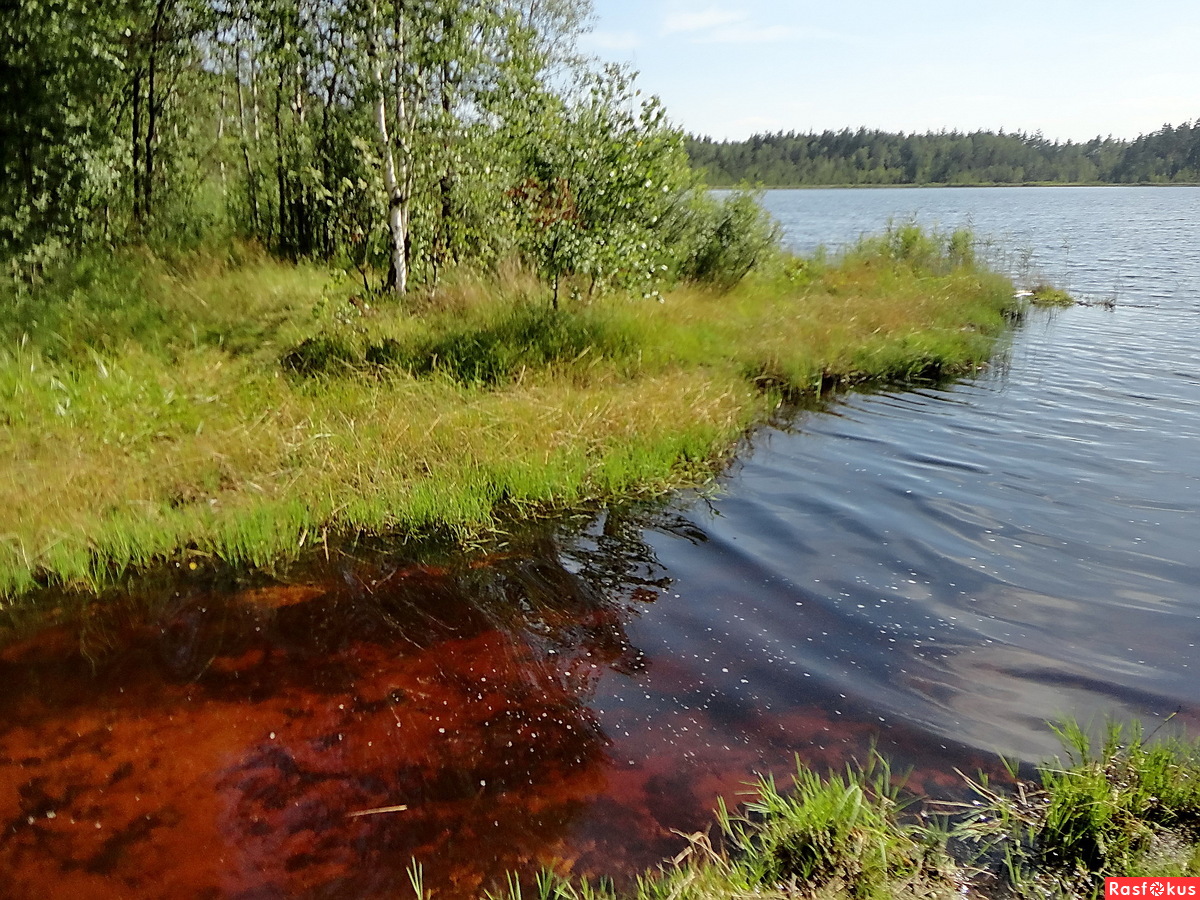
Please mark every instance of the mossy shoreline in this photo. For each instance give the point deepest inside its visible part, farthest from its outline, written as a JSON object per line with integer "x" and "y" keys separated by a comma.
{"x": 232, "y": 406}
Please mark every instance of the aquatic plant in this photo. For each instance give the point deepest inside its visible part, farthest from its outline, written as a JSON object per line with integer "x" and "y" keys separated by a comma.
{"x": 1048, "y": 295}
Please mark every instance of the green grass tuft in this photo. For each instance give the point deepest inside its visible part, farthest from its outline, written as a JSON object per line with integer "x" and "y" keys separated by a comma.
{"x": 833, "y": 837}
{"x": 1122, "y": 805}
{"x": 1048, "y": 296}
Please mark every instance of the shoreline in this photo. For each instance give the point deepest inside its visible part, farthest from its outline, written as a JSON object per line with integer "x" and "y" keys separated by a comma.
{"x": 226, "y": 419}
{"x": 1013, "y": 184}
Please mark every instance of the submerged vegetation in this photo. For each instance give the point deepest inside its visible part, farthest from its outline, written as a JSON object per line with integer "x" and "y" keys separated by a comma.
{"x": 1123, "y": 806}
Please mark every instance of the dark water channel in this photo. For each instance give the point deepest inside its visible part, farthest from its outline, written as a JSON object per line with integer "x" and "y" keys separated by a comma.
{"x": 935, "y": 571}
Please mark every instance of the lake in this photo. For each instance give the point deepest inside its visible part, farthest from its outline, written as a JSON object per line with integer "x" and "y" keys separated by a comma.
{"x": 936, "y": 572}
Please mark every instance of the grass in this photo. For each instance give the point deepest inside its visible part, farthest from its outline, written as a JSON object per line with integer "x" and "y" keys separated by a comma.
{"x": 1050, "y": 296}
{"x": 226, "y": 404}
{"x": 828, "y": 837}
{"x": 1120, "y": 806}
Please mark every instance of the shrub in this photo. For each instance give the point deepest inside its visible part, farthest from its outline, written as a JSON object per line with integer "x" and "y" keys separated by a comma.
{"x": 320, "y": 355}
{"x": 726, "y": 239}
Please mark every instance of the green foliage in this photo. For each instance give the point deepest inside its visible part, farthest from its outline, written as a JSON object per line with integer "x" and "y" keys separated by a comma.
{"x": 1048, "y": 295}
{"x": 321, "y": 355}
{"x": 56, "y": 124}
{"x": 844, "y": 827}
{"x": 1124, "y": 806}
{"x": 908, "y": 244}
{"x": 837, "y": 836}
{"x": 872, "y": 157}
{"x": 599, "y": 175}
{"x": 406, "y": 139}
{"x": 724, "y": 240}
{"x": 1104, "y": 807}
{"x": 93, "y": 304}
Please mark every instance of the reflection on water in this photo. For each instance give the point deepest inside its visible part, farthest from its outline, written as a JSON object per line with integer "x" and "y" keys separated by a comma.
{"x": 934, "y": 572}
{"x": 195, "y": 740}
{"x": 203, "y": 738}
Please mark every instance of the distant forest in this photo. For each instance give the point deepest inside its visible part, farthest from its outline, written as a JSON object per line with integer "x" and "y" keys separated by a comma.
{"x": 863, "y": 157}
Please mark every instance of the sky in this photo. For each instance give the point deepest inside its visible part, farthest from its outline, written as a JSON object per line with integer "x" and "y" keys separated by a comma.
{"x": 1067, "y": 68}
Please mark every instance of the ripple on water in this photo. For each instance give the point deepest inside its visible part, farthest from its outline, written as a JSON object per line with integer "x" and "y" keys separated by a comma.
{"x": 934, "y": 572}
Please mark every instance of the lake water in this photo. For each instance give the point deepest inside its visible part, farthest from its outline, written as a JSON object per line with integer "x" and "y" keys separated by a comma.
{"x": 936, "y": 572}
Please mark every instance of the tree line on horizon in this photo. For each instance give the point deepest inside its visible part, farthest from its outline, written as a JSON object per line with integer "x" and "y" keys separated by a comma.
{"x": 873, "y": 157}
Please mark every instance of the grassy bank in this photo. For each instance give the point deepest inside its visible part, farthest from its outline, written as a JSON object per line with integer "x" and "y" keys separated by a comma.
{"x": 232, "y": 405}
{"x": 1117, "y": 806}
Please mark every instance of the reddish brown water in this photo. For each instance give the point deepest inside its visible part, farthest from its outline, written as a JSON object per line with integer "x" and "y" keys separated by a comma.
{"x": 198, "y": 738}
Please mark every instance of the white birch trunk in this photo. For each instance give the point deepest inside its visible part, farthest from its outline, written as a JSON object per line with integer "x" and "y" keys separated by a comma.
{"x": 395, "y": 182}
{"x": 397, "y": 201}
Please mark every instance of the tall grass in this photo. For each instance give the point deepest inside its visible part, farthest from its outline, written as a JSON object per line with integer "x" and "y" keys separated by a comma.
{"x": 1117, "y": 805}
{"x": 838, "y": 836}
{"x": 228, "y": 404}
{"x": 1123, "y": 805}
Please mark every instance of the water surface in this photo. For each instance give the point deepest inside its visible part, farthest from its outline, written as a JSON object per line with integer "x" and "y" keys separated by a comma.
{"x": 934, "y": 571}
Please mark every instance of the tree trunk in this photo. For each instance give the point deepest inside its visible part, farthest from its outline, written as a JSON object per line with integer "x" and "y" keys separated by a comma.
{"x": 396, "y": 184}
{"x": 398, "y": 202}
{"x": 136, "y": 145}
{"x": 251, "y": 177}
{"x": 154, "y": 107}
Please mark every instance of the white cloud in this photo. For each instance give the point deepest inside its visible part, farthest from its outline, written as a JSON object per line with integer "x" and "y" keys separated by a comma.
{"x": 612, "y": 41}
{"x": 747, "y": 33}
{"x": 691, "y": 21}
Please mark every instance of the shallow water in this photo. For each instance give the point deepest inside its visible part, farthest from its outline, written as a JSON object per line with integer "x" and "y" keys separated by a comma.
{"x": 936, "y": 572}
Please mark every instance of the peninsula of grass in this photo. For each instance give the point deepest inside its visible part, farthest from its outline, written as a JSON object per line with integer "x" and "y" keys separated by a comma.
{"x": 232, "y": 405}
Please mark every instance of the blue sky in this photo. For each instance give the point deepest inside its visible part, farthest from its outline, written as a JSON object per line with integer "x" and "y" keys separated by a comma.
{"x": 1069, "y": 68}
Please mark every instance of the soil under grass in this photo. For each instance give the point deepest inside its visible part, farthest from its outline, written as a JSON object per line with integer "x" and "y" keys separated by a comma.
{"x": 231, "y": 405}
